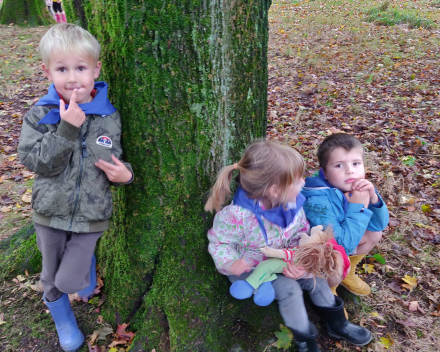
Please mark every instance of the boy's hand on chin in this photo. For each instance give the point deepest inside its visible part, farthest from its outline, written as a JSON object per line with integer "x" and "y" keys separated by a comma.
{"x": 365, "y": 185}
{"x": 358, "y": 197}
{"x": 117, "y": 172}
{"x": 73, "y": 115}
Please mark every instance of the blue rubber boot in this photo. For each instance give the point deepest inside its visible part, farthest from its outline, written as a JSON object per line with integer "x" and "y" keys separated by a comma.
{"x": 241, "y": 289}
{"x": 71, "y": 338}
{"x": 88, "y": 291}
{"x": 265, "y": 295}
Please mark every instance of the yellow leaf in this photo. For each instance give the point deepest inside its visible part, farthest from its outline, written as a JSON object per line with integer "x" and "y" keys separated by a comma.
{"x": 408, "y": 287}
{"x": 6, "y": 209}
{"x": 386, "y": 341}
{"x": 113, "y": 349}
{"x": 374, "y": 314}
{"x": 11, "y": 158}
{"x": 368, "y": 268}
{"x": 26, "y": 198}
{"x": 410, "y": 280}
{"x": 18, "y": 206}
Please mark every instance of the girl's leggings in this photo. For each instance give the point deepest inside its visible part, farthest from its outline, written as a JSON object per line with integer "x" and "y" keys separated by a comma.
{"x": 57, "y": 7}
{"x": 289, "y": 294}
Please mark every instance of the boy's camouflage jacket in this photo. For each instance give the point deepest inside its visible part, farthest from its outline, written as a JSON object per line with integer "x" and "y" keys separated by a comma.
{"x": 70, "y": 193}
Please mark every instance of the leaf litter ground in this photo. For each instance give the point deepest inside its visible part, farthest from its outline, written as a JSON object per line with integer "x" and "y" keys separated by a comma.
{"x": 329, "y": 70}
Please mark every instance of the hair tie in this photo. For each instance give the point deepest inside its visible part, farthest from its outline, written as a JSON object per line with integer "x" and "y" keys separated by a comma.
{"x": 235, "y": 166}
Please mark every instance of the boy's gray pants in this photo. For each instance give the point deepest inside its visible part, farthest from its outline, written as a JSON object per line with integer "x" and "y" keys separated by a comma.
{"x": 67, "y": 257}
{"x": 289, "y": 294}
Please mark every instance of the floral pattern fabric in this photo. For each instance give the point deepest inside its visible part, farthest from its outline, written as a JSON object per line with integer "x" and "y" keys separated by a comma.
{"x": 236, "y": 234}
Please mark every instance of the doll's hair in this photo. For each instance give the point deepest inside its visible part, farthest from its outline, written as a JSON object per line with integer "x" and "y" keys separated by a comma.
{"x": 320, "y": 258}
{"x": 263, "y": 164}
{"x": 69, "y": 38}
{"x": 338, "y": 140}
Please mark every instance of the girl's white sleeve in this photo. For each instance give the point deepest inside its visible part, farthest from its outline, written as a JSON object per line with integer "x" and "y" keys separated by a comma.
{"x": 224, "y": 238}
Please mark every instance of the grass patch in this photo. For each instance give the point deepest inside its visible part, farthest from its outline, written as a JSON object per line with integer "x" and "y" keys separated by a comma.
{"x": 385, "y": 16}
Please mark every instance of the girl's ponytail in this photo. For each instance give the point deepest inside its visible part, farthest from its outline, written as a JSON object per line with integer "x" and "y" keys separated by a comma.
{"x": 221, "y": 189}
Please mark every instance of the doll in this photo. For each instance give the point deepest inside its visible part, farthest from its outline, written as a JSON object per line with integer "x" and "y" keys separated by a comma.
{"x": 318, "y": 254}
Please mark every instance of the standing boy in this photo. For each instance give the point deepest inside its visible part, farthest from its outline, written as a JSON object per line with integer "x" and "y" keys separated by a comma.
{"x": 71, "y": 140}
{"x": 342, "y": 198}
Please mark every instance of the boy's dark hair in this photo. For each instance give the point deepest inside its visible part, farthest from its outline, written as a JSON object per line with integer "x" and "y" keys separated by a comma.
{"x": 338, "y": 140}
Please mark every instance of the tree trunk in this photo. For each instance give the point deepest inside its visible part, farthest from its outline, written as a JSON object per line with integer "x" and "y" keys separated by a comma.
{"x": 190, "y": 80}
{"x": 31, "y": 13}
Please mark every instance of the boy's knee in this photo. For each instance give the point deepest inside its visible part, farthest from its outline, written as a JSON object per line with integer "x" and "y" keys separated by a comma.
{"x": 65, "y": 284}
{"x": 375, "y": 237}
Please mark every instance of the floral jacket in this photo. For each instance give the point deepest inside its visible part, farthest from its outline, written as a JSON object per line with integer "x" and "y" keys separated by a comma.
{"x": 236, "y": 234}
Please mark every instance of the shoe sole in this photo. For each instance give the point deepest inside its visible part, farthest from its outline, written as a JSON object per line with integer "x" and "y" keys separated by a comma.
{"x": 355, "y": 293}
{"x": 343, "y": 338}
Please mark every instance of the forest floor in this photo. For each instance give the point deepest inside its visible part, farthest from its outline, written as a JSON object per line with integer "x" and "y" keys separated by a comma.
{"x": 332, "y": 67}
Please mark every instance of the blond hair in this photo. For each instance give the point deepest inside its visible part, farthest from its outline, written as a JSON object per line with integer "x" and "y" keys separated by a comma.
{"x": 321, "y": 259}
{"x": 69, "y": 38}
{"x": 263, "y": 164}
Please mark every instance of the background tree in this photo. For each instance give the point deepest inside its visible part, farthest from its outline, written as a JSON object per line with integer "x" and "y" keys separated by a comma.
{"x": 30, "y": 13}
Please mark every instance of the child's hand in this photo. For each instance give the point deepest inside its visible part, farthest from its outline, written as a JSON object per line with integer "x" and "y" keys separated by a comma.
{"x": 358, "y": 197}
{"x": 365, "y": 185}
{"x": 294, "y": 272}
{"x": 73, "y": 115}
{"x": 239, "y": 267}
{"x": 115, "y": 173}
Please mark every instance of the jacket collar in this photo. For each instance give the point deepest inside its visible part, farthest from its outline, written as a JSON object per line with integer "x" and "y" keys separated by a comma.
{"x": 100, "y": 105}
{"x": 279, "y": 215}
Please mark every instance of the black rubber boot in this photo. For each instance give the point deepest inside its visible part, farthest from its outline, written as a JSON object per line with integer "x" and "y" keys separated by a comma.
{"x": 339, "y": 327}
{"x": 306, "y": 342}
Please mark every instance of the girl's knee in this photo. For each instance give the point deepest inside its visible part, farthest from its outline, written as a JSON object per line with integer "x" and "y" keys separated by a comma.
{"x": 285, "y": 287}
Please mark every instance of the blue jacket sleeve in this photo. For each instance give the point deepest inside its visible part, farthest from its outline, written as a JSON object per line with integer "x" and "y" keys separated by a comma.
{"x": 348, "y": 232}
{"x": 380, "y": 217}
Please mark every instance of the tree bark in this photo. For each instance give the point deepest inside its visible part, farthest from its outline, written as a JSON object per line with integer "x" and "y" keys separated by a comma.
{"x": 27, "y": 13}
{"x": 190, "y": 80}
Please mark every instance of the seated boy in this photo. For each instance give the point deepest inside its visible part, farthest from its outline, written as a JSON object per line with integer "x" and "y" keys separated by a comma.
{"x": 75, "y": 151}
{"x": 342, "y": 198}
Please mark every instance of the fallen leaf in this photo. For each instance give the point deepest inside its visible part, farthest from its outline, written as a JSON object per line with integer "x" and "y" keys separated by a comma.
{"x": 117, "y": 342}
{"x": 407, "y": 322}
{"x": 395, "y": 287}
{"x": 103, "y": 332}
{"x": 368, "y": 268}
{"x": 411, "y": 282}
{"x": 284, "y": 336}
{"x": 386, "y": 341}
{"x": 27, "y": 198}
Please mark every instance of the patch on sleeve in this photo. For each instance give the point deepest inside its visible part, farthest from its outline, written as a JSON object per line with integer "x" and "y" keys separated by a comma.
{"x": 104, "y": 141}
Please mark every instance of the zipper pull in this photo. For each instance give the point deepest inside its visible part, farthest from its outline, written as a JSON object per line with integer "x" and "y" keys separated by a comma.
{"x": 84, "y": 149}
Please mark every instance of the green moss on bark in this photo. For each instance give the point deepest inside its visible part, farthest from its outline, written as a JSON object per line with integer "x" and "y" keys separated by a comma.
{"x": 190, "y": 80}
{"x": 19, "y": 253}
{"x": 27, "y": 13}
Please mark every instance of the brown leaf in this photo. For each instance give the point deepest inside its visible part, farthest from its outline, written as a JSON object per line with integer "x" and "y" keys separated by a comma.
{"x": 407, "y": 322}
{"x": 395, "y": 287}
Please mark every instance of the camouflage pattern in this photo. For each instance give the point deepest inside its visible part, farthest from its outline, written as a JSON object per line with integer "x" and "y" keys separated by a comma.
{"x": 70, "y": 193}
